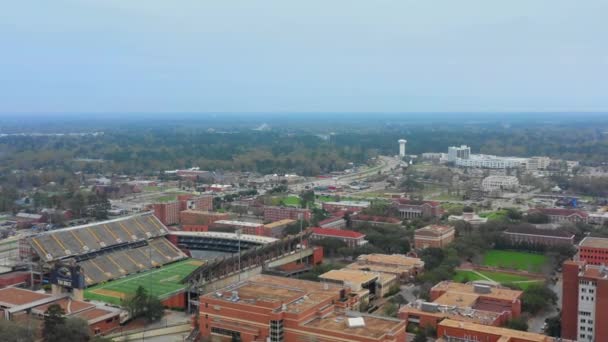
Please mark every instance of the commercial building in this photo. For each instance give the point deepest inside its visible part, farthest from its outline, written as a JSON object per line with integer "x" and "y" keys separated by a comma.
{"x": 200, "y": 217}
{"x": 584, "y": 301}
{"x": 267, "y": 308}
{"x": 349, "y": 206}
{"x": 464, "y": 302}
{"x": 336, "y": 222}
{"x": 411, "y": 209}
{"x": 404, "y": 268}
{"x": 538, "y": 163}
{"x": 491, "y": 162}
{"x": 499, "y": 183}
{"x": 558, "y": 215}
{"x": 272, "y": 214}
{"x": 188, "y": 201}
{"x": 457, "y": 331}
{"x": 232, "y": 226}
{"x": 593, "y": 250}
{"x": 434, "y": 235}
{"x": 364, "y": 283}
{"x": 455, "y": 153}
{"x": 536, "y": 236}
{"x": 349, "y": 237}
{"x": 19, "y": 304}
{"x": 167, "y": 213}
{"x": 276, "y": 229}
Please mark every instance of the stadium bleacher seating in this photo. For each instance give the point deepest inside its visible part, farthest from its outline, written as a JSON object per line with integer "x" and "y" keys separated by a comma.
{"x": 116, "y": 264}
{"x": 63, "y": 243}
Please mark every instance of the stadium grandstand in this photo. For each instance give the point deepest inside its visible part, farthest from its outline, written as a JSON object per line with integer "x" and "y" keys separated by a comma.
{"x": 110, "y": 249}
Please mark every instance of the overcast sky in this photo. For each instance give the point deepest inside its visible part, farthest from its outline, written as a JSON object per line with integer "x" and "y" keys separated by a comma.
{"x": 285, "y": 56}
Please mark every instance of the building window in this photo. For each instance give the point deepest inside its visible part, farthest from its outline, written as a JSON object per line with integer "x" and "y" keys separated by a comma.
{"x": 235, "y": 335}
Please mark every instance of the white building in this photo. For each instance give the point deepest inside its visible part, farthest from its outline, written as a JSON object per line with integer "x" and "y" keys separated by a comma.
{"x": 538, "y": 163}
{"x": 501, "y": 183}
{"x": 491, "y": 162}
{"x": 455, "y": 152}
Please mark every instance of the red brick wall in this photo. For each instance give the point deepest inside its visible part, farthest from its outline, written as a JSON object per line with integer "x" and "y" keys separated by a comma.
{"x": 593, "y": 256}
{"x": 317, "y": 255}
{"x": 570, "y": 300}
{"x": 105, "y": 327}
{"x": 176, "y": 301}
{"x": 167, "y": 213}
{"x": 200, "y": 218}
{"x": 195, "y": 228}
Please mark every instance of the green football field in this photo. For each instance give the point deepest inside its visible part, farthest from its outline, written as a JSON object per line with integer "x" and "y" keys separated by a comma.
{"x": 159, "y": 282}
{"x": 515, "y": 260}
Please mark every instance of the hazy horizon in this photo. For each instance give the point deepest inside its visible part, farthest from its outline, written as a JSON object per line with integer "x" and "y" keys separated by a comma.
{"x": 113, "y": 56}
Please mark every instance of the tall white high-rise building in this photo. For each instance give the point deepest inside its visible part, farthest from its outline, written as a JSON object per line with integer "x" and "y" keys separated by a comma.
{"x": 402, "y": 143}
{"x": 455, "y": 152}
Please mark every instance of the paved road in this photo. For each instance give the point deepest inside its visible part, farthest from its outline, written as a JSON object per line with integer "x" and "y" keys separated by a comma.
{"x": 535, "y": 324}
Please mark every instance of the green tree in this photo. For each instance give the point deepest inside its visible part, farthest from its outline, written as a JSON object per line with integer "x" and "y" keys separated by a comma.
{"x": 14, "y": 332}
{"x": 307, "y": 198}
{"x": 141, "y": 304}
{"x": 53, "y": 322}
{"x": 517, "y": 324}
{"x": 390, "y": 309}
{"x": 420, "y": 336}
{"x": 554, "y": 326}
{"x": 538, "y": 297}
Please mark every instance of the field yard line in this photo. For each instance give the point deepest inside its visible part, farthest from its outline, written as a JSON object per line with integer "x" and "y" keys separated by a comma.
{"x": 145, "y": 274}
{"x": 483, "y": 276}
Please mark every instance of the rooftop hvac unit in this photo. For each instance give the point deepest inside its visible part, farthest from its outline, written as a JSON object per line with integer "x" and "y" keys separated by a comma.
{"x": 429, "y": 307}
{"x": 479, "y": 288}
{"x": 355, "y": 322}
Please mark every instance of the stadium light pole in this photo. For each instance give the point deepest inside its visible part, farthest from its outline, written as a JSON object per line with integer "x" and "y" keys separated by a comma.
{"x": 238, "y": 236}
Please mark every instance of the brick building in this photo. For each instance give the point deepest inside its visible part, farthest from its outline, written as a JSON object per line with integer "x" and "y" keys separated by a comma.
{"x": 364, "y": 283}
{"x": 267, "y": 308}
{"x": 457, "y": 331}
{"x": 584, "y": 301}
{"x": 200, "y": 217}
{"x": 232, "y": 226}
{"x": 593, "y": 250}
{"x": 558, "y": 215}
{"x": 437, "y": 236}
{"x": 349, "y": 237}
{"x": 532, "y": 235}
{"x": 20, "y": 304}
{"x": 348, "y": 206}
{"x": 403, "y": 267}
{"x": 475, "y": 303}
{"x": 272, "y": 214}
{"x": 276, "y": 229}
{"x": 167, "y": 213}
{"x": 188, "y": 201}
{"x": 410, "y": 209}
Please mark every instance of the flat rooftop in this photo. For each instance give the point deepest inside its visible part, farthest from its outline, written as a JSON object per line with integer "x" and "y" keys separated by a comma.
{"x": 495, "y": 292}
{"x": 12, "y": 296}
{"x": 434, "y": 230}
{"x": 458, "y": 313}
{"x": 382, "y": 269}
{"x": 68, "y": 305}
{"x": 374, "y": 326}
{"x": 279, "y": 223}
{"x": 272, "y": 292}
{"x": 349, "y": 276}
{"x": 362, "y": 204}
{"x": 457, "y": 299}
{"x": 238, "y": 223}
{"x": 504, "y": 332}
{"x": 391, "y": 259}
{"x": 594, "y": 242}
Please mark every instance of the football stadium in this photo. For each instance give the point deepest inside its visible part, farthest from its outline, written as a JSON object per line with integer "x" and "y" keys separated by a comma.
{"x": 112, "y": 258}
{"x": 164, "y": 283}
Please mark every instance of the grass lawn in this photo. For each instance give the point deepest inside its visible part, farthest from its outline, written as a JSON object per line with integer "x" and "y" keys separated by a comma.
{"x": 166, "y": 198}
{"x": 160, "y": 282}
{"x": 515, "y": 260}
{"x": 503, "y": 278}
{"x": 325, "y": 199}
{"x": 291, "y": 201}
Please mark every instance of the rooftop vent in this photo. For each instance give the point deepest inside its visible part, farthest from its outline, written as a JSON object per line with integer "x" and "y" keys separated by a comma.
{"x": 479, "y": 288}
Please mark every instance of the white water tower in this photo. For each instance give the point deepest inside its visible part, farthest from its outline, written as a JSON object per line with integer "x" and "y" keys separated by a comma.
{"x": 402, "y": 143}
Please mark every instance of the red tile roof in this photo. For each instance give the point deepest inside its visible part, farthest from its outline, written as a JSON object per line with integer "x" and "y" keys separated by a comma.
{"x": 15, "y": 296}
{"x": 559, "y": 212}
{"x": 340, "y": 233}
